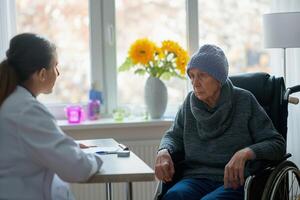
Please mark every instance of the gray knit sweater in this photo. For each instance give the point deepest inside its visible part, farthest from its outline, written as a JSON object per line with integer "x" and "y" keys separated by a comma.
{"x": 209, "y": 137}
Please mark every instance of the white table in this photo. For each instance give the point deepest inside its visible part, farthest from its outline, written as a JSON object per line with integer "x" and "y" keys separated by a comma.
{"x": 119, "y": 169}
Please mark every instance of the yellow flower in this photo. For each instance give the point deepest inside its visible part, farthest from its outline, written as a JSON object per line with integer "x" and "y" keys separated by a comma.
{"x": 170, "y": 46}
{"x": 144, "y": 56}
{"x": 179, "y": 53}
{"x": 181, "y": 61}
{"x": 142, "y": 51}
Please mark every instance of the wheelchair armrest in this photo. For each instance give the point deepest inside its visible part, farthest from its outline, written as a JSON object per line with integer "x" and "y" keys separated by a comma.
{"x": 177, "y": 157}
{"x": 257, "y": 167}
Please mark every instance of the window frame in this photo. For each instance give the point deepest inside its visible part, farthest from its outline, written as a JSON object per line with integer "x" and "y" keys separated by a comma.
{"x": 103, "y": 51}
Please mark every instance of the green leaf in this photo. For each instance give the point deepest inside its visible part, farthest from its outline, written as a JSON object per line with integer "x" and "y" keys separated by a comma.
{"x": 126, "y": 65}
{"x": 140, "y": 71}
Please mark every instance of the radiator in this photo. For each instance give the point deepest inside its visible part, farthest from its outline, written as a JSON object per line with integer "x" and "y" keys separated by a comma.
{"x": 146, "y": 150}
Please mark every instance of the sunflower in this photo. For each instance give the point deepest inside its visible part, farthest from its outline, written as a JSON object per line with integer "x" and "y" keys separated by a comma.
{"x": 170, "y": 46}
{"x": 180, "y": 54}
{"x": 181, "y": 61}
{"x": 146, "y": 57}
{"x": 142, "y": 51}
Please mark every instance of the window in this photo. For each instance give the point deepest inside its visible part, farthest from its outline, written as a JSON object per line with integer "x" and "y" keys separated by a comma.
{"x": 157, "y": 20}
{"x": 112, "y": 26}
{"x": 236, "y": 26}
{"x": 66, "y": 23}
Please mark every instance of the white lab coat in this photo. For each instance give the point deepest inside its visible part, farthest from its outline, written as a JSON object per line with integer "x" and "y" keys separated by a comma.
{"x": 33, "y": 150}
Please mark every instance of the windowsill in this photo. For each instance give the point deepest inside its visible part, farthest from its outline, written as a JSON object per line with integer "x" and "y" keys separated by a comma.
{"x": 111, "y": 123}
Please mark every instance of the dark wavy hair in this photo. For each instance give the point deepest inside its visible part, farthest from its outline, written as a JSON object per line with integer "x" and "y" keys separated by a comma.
{"x": 27, "y": 53}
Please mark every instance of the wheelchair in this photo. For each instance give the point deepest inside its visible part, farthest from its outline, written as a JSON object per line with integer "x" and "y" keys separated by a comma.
{"x": 278, "y": 180}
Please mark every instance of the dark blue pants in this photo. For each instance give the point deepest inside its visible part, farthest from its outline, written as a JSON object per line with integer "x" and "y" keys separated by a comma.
{"x": 204, "y": 189}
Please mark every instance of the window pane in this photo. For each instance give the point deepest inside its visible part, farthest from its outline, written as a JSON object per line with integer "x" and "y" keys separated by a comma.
{"x": 236, "y": 26}
{"x": 66, "y": 23}
{"x": 157, "y": 20}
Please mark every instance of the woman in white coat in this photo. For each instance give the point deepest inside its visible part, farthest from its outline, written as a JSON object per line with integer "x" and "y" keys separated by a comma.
{"x": 34, "y": 152}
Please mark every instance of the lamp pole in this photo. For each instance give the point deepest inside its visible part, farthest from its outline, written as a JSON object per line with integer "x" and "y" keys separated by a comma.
{"x": 284, "y": 64}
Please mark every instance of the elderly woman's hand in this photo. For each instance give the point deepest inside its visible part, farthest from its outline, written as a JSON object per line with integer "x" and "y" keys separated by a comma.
{"x": 234, "y": 170}
{"x": 164, "y": 167}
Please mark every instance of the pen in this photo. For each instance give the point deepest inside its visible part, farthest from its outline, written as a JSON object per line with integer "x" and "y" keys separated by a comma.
{"x": 106, "y": 152}
{"x": 119, "y": 153}
{"x": 123, "y": 147}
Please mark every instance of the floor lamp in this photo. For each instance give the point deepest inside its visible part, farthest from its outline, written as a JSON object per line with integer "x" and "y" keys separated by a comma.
{"x": 282, "y": 30}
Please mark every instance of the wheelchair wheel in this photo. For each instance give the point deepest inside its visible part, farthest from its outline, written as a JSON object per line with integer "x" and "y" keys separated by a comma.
{"x": 283, "y": 183}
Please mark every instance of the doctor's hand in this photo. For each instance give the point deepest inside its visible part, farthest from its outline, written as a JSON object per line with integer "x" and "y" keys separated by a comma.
{"x": 234, "y": 170}
{"x": 164, "y": 167}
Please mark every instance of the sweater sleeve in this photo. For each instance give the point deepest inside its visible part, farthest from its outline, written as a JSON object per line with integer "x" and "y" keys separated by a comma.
{"x": 173, "y": 138}
{"x": 268, "y": 143}
{"x": 48, "y": 146}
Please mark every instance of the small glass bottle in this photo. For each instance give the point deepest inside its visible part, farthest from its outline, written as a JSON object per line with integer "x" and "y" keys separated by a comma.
{"x": 94, "y": 104}
{"x": 94, "y": 109}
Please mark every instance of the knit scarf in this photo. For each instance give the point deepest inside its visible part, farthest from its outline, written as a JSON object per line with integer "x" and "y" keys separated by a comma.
{"x": 213, "y": 122}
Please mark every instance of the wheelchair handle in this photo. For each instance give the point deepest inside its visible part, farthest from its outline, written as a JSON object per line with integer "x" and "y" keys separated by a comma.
{"x": 293, "y": 100}
{"x": 291, "y": 90}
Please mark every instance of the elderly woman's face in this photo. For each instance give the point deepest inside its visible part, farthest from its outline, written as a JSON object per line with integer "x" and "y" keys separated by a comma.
{"x": 205, "y": 86}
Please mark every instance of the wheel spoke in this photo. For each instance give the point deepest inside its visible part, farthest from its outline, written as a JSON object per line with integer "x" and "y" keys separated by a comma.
{"x": 292, "y": 185}
{"x": 292, "y": 182}
{"x": 297, "y": 195}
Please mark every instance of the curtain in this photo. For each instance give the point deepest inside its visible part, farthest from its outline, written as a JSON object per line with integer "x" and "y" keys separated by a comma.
{"x": 7, "y": 24}
{"x": 292, "y": 78}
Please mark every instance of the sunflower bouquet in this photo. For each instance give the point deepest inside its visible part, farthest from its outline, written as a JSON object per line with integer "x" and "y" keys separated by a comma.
{"x": 168, "y": 60}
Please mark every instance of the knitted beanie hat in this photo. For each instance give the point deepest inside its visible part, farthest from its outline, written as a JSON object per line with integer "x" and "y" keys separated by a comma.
{"x": 212, "y": 60}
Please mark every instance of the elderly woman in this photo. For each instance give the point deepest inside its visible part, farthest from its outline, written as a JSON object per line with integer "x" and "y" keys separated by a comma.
{"x": 219, "y": 127}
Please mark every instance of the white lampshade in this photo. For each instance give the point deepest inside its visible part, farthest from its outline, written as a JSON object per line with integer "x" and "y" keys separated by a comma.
{"x": 281, "y": 30}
